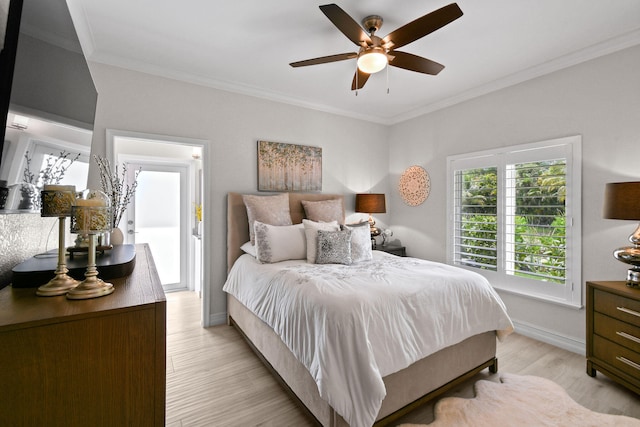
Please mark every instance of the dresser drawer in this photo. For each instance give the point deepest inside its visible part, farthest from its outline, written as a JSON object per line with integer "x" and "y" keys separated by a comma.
{"x": 617, "y": 356}
{"x": 617, "y": 306}
{"x": 619, "y": 332}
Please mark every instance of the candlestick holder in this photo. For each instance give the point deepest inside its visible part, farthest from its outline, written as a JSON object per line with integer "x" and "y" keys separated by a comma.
{"x": 57, "y": 201}
{"x": 91, "y": 216}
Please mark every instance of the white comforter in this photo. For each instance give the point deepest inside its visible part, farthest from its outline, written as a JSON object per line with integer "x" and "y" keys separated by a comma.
{"x": 352, "y": 325}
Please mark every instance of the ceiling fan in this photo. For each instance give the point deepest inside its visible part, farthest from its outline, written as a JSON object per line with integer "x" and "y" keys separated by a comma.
{"x": 376, "y": 53}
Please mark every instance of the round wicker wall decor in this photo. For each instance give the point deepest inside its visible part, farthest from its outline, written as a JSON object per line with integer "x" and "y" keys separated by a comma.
{"x": 414, "y": 185}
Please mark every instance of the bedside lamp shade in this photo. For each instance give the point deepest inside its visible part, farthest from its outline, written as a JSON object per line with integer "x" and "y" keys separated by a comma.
{"x": 370, "y": 203}
{"x": 622, "y": 201}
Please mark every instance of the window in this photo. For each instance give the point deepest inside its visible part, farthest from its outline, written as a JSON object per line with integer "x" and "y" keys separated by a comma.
{"x": 514, "y": 216}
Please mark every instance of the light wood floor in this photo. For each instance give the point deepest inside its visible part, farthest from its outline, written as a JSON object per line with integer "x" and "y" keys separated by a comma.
{"x": 214, "y": 379}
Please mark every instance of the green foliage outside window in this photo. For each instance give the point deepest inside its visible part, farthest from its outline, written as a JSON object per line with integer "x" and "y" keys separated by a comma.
{"x": 539, "y": 241}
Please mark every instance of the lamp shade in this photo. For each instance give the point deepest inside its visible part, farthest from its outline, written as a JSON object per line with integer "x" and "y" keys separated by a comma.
{"x": 370, "y": 203}
{"x": 622, "y": 200}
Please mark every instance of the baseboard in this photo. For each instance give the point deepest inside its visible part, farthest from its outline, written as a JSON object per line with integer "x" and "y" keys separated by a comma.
{"x": 218, "y": 319}
{"x": 550, "y": 337}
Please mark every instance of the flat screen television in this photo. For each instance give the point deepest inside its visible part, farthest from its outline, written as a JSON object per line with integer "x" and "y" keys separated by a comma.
{"x": 10, "y": 15}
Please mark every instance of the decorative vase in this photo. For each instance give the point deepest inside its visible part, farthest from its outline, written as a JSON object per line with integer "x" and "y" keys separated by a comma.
{"x": 117, "y": 238}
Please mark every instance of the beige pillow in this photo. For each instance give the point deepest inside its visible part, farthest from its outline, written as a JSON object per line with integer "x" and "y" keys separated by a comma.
{"x": 272, "y": 210}
{"x": 311, "y": 233}
{"x": 324, "y": 210}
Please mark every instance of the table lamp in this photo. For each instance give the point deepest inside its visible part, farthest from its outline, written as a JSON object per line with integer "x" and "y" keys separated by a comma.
{"x": 371, "y": 203}
{"x": 91, "y": 216}
{"x": 622, "y": 201}
{"x": 57, "y": 201}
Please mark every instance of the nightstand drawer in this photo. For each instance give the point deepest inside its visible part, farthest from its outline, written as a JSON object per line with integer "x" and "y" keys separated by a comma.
{"x": 617, "y": 306}
{"x": 619, "y": 332}
{"x": 617, "y": 356}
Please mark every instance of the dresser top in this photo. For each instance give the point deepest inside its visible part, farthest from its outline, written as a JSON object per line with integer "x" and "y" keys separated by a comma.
{"x": 617, "y": 287}
{"x": 21, "y": 308}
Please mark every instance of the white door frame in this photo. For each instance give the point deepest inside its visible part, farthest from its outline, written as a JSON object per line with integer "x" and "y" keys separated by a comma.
{"x": 111, "y": 134}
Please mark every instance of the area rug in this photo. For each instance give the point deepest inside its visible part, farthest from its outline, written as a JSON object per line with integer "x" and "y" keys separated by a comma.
{"x": 520, "y": 401}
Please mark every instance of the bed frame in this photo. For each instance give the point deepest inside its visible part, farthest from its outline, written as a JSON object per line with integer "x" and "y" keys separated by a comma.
{"x": 406, "y": 389}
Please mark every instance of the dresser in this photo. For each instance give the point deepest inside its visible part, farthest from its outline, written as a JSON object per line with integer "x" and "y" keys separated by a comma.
{"x": 95, "y": 362}
{"x": 613, "y": 332}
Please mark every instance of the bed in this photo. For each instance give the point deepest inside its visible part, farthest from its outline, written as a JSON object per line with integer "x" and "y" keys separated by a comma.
{"x": 404, "y": 389}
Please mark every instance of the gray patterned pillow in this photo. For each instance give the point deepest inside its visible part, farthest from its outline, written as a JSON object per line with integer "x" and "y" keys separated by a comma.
{"x": 272, "y": 210}
{"x": 324, "y": 210}
{"x": 334, "y": 247}
{"x": 360, "y": 241}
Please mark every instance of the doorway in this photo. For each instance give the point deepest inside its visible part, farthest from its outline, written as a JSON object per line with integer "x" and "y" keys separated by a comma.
{"x": 164, "y": 162}
{"x": 158, "y": 216}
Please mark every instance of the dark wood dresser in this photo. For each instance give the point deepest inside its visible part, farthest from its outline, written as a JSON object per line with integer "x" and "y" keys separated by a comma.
{"x": 613, "y": 332}
{"x": 96, "y": 362}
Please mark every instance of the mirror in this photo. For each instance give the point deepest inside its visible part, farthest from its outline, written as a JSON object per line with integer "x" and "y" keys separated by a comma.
{"x": 53, "y": 90}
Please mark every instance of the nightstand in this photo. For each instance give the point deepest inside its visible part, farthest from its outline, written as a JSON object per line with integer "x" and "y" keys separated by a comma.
{"x": 392, "y": 249}
{"x": 613, "y": 332}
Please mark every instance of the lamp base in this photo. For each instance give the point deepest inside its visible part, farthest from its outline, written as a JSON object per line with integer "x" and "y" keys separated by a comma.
{"x": 91, "y": 288}
{"x": 59, "y": 285}
{"x": 633, "y": 278}
{"x": 630, "y": 255}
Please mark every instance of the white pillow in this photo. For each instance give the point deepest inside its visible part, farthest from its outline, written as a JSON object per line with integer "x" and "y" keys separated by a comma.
{"x": 360, "y": 241}
{"x": 249, "y": 249}
{"x": 275, "y": 243}
{"x": 311, "y": 233}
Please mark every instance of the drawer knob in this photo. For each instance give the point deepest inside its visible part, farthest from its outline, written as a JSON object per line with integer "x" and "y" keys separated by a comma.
{"x": 629, "y": 311}
{"x": 628, "y": 336}
{"x": 628, "y": 362}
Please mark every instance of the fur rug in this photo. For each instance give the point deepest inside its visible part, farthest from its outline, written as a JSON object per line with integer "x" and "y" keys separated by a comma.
{"x": 520, "y": 401}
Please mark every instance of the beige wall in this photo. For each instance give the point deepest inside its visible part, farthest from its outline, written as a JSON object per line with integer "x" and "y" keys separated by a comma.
{"x": 599, "y": 100}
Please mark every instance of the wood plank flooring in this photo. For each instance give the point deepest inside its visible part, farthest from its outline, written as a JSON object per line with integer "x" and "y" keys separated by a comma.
{"x": 214, "y": 379}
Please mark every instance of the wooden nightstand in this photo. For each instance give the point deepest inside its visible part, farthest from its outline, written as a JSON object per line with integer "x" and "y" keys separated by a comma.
{"x": 613, "y": 332}
{"x": 392, "y": 249}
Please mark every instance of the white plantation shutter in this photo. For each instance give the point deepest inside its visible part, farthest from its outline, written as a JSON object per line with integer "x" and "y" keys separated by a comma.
{"x": 514, "y": 216}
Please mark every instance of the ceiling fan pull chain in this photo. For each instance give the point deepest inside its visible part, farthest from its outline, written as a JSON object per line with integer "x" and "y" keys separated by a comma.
{"x": 387, "y": 79}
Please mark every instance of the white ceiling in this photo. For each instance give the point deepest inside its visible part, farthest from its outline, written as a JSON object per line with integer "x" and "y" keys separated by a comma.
{"x": 246, "y": 46}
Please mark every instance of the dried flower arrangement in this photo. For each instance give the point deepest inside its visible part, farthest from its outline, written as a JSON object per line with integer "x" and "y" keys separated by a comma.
{"x": 115, "y": 186}
{"x": 53, "y": 171}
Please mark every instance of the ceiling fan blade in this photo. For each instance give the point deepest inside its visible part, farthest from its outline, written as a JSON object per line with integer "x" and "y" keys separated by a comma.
{"x": 361, "y": 79}
{"x": 325, "y": 59}
{"x": 346, "y": 24}
{"x": 416, "y": 63}
{"x": 423, "y": 26}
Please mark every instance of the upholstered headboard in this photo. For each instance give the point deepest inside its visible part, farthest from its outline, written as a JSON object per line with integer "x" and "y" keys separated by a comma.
{"x": 238, "y": 222}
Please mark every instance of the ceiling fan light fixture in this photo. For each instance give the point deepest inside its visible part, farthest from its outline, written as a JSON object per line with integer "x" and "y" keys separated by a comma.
{"x": 372, "y": 61}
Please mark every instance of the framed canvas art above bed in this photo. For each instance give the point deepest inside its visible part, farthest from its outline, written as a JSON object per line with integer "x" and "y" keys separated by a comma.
{"x": 289, "y": 167}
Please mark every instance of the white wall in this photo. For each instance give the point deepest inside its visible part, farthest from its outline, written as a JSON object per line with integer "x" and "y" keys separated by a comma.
{"x": 233, "y": 124}
{"x": 599, "y": 100}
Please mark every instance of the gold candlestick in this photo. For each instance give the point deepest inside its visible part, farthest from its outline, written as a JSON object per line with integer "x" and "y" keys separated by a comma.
{"x": 57, "y": 200}
{"x": 91, "y": 216}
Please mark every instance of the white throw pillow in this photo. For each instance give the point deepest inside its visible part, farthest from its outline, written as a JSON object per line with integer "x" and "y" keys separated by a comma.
{"x": 249, "y": 249}
{"x": 360, "y": 241}
{"x": 311, "y": 233}
{"x": 275, "y": 243}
